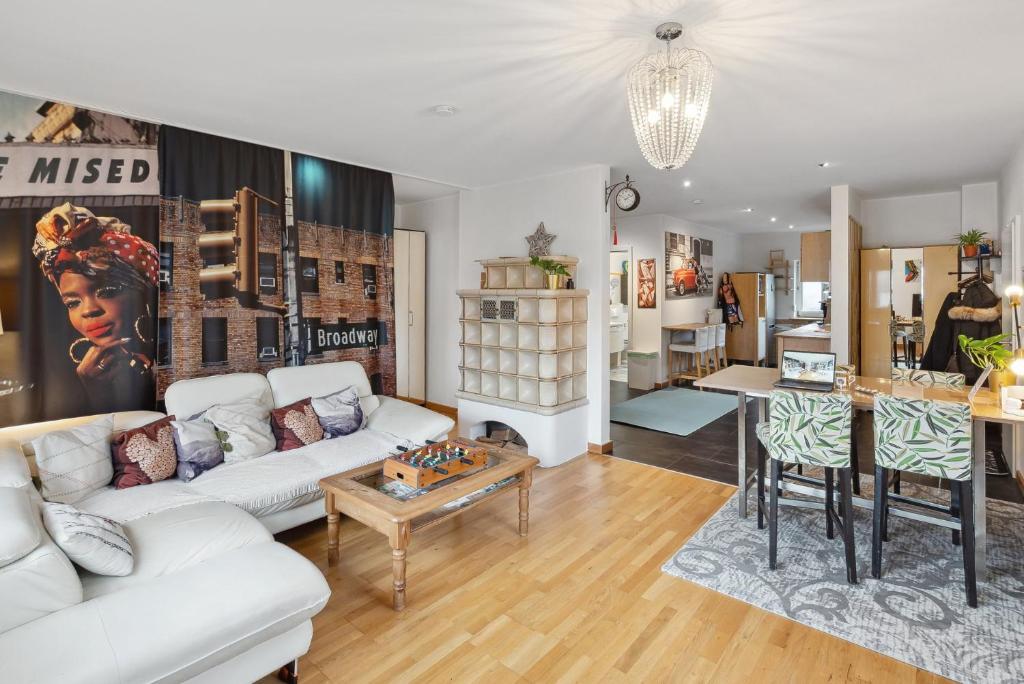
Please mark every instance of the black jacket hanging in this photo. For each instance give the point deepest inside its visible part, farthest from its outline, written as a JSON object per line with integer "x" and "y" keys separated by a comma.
{"x": 975, "y": 314}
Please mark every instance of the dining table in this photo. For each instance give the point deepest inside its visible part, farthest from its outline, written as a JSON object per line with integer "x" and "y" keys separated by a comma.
{"x": 752, "y": 382}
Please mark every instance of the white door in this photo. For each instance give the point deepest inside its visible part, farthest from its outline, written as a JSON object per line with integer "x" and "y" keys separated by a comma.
{"x": 410, "y": 314}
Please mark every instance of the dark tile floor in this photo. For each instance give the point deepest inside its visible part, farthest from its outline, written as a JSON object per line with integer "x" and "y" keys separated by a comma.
{"x": 710, "y": 452}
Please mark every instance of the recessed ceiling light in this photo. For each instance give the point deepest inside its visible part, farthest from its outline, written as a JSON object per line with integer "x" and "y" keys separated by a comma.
{"x": 698, "y": 201}
{"x": 443, "y": 110}
{"x": 747, "y": 210}
{"x": 772, "y": 219}
{"x": 824, "y": 164}
{"x": 686, "y": 183}
{"x": 791, "y": 226}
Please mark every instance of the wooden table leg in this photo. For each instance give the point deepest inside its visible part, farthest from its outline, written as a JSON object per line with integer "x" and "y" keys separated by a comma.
{"x": 333, "y": 530}
{"x": 524, "y": 502}
{"x": 399, "y": 545}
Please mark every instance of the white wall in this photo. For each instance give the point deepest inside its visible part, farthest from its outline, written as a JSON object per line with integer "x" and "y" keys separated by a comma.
{"x": 754, "y": 256}
{"x": 911, "y": 221}
{"x": 646, "y": 235}
{"x": 495, "y": 220}
{"x": 439, "y": 218}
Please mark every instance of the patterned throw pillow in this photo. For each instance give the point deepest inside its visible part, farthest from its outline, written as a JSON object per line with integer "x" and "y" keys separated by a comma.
{"x": 95, "y": 543}
{"x": 295, "y": 425}
{"x": 243, "y": 429}
{"x": 340, "y": 413}
{"x": 76, "y": 462}
{"x": 197, "y": 445}
{"x": 144, "y": 455}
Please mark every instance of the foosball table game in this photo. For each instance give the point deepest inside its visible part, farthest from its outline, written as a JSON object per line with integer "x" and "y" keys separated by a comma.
{"x": 427, "y": 465}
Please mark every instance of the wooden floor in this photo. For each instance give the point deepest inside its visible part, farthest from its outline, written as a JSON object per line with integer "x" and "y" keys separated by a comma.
{"x": 581, "y": 599}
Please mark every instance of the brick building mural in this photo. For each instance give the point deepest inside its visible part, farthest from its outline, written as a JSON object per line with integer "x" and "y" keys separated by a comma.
{"x": 202, "y": 330}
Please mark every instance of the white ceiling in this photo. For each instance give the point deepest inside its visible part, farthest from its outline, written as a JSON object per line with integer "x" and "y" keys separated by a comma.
{"x": 902, "y": 97}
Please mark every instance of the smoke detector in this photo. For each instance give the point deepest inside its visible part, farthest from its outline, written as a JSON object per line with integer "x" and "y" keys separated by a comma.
{"x": 443, "y": 110}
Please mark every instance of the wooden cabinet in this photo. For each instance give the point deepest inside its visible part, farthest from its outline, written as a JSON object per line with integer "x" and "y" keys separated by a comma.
{"x": 815, "y": 256}
{"x": 410, "y": 314}
{"x": 747, "y": 342}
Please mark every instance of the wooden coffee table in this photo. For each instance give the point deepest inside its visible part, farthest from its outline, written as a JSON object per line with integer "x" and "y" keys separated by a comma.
{"x": 355, "y": 493}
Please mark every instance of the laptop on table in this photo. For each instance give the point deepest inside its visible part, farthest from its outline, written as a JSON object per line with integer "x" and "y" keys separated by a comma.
{"x": 812, "y": 371}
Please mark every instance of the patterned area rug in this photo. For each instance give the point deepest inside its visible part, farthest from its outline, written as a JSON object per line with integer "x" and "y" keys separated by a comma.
{"x": 917, "y": 612}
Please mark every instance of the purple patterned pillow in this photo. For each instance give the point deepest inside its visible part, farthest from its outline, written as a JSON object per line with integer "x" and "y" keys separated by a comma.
{"x": 199, "y": 448}
{"x": 340, "y": 413}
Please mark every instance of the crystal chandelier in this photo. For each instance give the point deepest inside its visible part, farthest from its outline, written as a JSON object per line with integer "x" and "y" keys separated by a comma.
{"x": 668, "y": 100}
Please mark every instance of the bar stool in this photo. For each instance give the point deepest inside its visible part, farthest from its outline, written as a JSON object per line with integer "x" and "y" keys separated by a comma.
{"x": 697, "y": 351}
{"x": 899, "y": 338}
{"x": 929, "y": 438}
{"x": 811, "y": 429}
{"x": 721, "y": 360}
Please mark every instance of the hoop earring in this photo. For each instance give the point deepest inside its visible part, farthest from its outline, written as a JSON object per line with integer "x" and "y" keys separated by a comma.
{"x": 139, "y": 321}
{"x": 71, "y": 349}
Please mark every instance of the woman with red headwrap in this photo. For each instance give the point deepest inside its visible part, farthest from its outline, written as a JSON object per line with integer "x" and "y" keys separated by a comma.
{"x": 107, "y": 280}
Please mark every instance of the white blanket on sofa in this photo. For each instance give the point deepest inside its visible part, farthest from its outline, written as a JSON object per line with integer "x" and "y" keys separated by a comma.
{"x": 278, "y": 481}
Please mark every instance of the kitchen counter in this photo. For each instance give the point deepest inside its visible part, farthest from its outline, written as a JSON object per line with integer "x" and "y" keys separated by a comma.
{"x": 810, "y": 331}
{"x": 811, "y": 337}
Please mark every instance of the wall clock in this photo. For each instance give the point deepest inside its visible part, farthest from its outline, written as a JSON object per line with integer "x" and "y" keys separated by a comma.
{"x": 627, "y": 198}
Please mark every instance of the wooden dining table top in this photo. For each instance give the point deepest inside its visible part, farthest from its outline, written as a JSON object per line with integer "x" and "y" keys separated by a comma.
{"x": 680, "y": 327}
{"x": 756, "y": 381}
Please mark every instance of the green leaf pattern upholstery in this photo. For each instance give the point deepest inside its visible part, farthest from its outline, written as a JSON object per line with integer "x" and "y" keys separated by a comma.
{"x": 808, "y": 428}
{"x": 923, "y": 436}
{"x": 922, "y": 377}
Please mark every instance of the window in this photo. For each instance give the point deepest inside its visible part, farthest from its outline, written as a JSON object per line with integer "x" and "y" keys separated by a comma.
{"x": 339, "y": 271}
{"x": 369, "y": 281}
{"x": 268, "y": 273}
{"x": 215, "y": 340}
{"x": 309, "y": 275}
{"x": 166, "y": 264}
{"x": 267, "y": 345}
{"x": 163, "y": 342}
{"x": 807, "y": 297}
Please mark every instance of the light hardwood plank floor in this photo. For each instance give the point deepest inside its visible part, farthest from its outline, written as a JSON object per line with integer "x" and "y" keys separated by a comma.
{"x": 581, "y": 599}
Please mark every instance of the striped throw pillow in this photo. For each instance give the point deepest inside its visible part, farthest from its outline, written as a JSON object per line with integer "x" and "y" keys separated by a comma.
{"x": 93, "y": 542}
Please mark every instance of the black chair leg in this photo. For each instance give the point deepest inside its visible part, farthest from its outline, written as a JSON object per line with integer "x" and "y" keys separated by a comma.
{"x": 854, "y": 461}
{"x": 761, "y": 455}
{"x": 895, "y": 483}
{"x": 967, "y": 524}
{"x": 877, "y": 520}
{"x": 773, "y": 514}
{"x": 829, "y": 502}
{"x": 954, "y": 506}
{"x": 846, "y": 492}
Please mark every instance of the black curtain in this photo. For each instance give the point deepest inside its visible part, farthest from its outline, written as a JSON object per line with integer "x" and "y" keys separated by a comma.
{"x": 343, "y": 195}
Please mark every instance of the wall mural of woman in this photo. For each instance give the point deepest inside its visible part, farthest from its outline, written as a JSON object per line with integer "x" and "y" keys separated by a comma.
{"x": 106, "y": 278}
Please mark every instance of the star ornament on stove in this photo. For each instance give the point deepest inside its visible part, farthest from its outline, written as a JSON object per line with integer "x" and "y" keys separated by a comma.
{"x": 540, "y": 241}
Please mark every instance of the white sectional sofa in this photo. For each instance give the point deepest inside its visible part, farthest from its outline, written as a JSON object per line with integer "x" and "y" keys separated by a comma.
{"x": 212, "y": 597}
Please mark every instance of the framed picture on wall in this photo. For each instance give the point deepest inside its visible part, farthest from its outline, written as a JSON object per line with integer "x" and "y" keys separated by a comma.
{"x": 647, "y": 283}
{"x": 689, "y": 266}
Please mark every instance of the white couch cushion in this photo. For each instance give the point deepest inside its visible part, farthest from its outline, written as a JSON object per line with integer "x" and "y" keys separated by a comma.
{"x": 285, "y": 479}
{"x": 409, "y": 421}
{"x": 91, "y": 541}
{"x": 75, "y": 462}
{"x": 40, "y": 583}
{"x": 14, "y": 470}
{"x": 292, "y": 383}
{"x": 123, "y": 505}
{"x": 177, "y": 538}
{"x": 174, "y": 627}
{"x": 19, "y": 533}
{"x": 186, "y": 398}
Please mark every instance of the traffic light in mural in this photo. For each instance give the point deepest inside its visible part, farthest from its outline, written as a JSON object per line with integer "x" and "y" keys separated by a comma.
{"x": 229, "y": 245}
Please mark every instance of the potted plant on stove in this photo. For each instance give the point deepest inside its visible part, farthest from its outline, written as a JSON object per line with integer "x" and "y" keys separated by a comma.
{"x": 970, "y": 240}
{"x": 553, "y": 269}
{"x": 990, "y": 351}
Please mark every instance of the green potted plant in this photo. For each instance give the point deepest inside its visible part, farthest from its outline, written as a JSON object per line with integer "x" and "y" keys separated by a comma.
{"x": 554, "y": 270}
{"x": 970, "y": 240}
{"x": 990, "y": 350}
